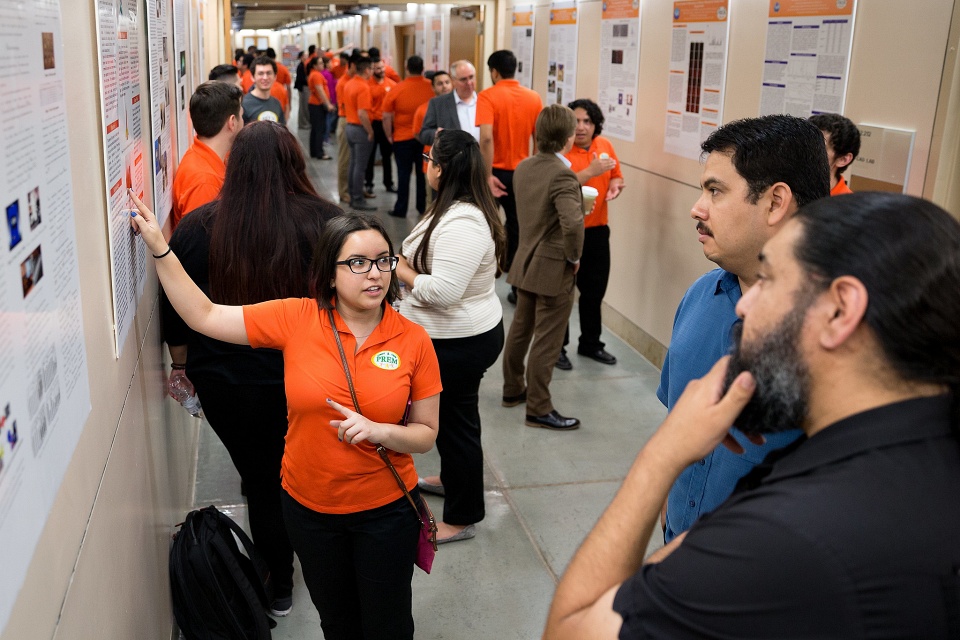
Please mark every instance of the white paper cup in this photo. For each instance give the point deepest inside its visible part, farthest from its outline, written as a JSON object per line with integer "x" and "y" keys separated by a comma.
{"x": 589, "y": 197}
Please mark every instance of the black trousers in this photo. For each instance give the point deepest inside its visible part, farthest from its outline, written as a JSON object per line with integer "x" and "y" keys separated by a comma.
{"x": 509, "y": 204}
{"x": 251, "y": 421}
{"x": 358, "y": 567}
{"x": 318, "y": 129}
{"x": 592, "y": 281}
{"x": 386, "y": 153}
{"x": 409, "y": 157}
{"x": 463, "y": 361}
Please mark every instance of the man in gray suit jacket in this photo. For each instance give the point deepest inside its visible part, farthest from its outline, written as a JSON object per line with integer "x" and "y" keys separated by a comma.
{"x": 455, "y": 110}
{"x": 544, "y": 268}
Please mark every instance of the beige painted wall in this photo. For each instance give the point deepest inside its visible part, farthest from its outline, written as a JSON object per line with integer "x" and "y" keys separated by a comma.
{"x": 895, "y": 77}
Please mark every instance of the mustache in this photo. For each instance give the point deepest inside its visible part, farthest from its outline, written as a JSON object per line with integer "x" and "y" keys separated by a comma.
{"x": 704, "y": 229}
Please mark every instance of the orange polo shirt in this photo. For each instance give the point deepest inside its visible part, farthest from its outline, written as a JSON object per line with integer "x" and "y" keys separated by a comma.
{"x": 338, "y": 69}
{"x": 279, "y": 92}
{"x": 198, "y": 180}
{"x": 391, "y": 73}
{"x": 246, "y": 80}
{"x": 341, "y": 86}
{"x": 512, "y": 110}
{"x": 395, "y": 363}
{"x": 418, "y": 118}
{"x": 841, "y": 188}
{"x": 316, "y": 79}
{"x": 283, "y": 74}
{"x": 580, "y": 159}
{"x": 356, "y": 96}
{"x": 403, "y": 102}
{"x": 379, "y": 91}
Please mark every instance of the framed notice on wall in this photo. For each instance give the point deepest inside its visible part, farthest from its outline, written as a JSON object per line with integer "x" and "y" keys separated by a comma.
{"x": 521, "y": 42}
{"x": 619, "y": 67}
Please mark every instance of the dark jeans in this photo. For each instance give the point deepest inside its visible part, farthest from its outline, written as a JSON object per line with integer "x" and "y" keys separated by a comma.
{"x": 509, "y": 204}
{"x": 409, "y": 156}
{"x": 318, "y": 129}
{"x": 463, "y": 361}
{"x": 592, "y": 281}
{"x": 251, "y": 421}
{"x": 358, "y": 567}
{"x": 386, "y": 153}
{"x": 360, "y": 149}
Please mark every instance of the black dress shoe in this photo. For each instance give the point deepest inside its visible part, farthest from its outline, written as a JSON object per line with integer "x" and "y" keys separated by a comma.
{"x": 390, "y": 189}
{"x": 553, "y": 421}
{"x": 398, "y": 215}
{"x": 600, "y": 355}
{"x": 563, "y": 362}
{"x": 512, "y": 401}
{"x": 512, "y": 296}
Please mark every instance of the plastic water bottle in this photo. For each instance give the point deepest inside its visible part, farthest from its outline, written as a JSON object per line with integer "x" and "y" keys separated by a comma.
{"x": 181, "y": 389}
{"x": 403, "y": 291}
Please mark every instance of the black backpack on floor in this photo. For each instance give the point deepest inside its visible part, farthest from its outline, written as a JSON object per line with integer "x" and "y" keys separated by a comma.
{"x": 218, "y": 593}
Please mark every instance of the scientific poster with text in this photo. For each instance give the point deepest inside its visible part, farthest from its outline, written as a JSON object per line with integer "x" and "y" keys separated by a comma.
{"x": 521, "y": 43}
{"x": 161, "y": 106}
{"x": 619, "y": 67}
{"x": 44, "y": 386}
{"x": 807, "y": 57}
{"x": 119, "y": 37}
{"x": 420, "y": 32}
{"x": 562, "y": 53}
{"x": 180, "y": 74}
{"x": 698, "y": 70}
{"x": 439, "y": 49}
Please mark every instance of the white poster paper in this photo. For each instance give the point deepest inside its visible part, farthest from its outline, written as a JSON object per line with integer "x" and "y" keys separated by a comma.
{"x": 180, "y": 63}
{"x": 619, "y": 67}
{"x": 521, "y": 42}
{"x": 44, "y": 388}
{"x": 562, "y": 53}
{"x": 807, "y": 58}
{"x": 698, "y": 70}
{"x": 161, "y": 106}
{"x": 439, "y": 47}
{"x": 420, "y": 31}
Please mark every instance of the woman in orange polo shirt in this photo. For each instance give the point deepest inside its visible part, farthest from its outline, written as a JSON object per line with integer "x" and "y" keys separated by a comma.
{"x": 350, "y": 523}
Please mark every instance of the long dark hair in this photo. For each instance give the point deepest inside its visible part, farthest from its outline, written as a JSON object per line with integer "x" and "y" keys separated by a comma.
{"x": 462, "y": 179}
{"x": 323, "y": 270}
{"x": 267, "y": 219}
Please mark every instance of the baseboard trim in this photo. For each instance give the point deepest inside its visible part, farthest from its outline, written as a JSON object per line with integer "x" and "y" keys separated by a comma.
{"x": 648, "y": 346}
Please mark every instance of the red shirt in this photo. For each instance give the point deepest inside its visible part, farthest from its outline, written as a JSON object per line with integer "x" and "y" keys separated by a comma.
{"x": 197, "y": 181}
{"x": 403, "y": 102}
{"x": 512, "y": 110}
{"x": 580, "y": 159}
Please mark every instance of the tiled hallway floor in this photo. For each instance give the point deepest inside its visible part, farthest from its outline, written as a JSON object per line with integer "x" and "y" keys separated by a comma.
{"x": 544, "y": 490}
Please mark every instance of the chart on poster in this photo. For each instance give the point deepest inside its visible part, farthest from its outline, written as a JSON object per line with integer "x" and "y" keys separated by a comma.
{"x": 619, "y": 67}
{"x": 118, "y": 33}
{"x": 521, "y": 41}
{"x": 807, "y": 57}
{"x": 698, "y": 70}
{"x": 44, "y": 385}
{"x": 562, "y": 53}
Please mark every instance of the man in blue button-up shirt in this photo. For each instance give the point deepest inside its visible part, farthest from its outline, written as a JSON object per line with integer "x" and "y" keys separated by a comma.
{"x": 757, "y": 173}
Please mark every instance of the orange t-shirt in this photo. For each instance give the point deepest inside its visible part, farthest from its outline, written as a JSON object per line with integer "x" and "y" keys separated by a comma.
{"x": 418, "y": 118}
{"x": 283, "y": 74}
{"x": 246, "y": 80}
{"x": 379, "y": 91}
{"x": 338, "y": 70}
{"x": 341, "y": 85}
{"x": 279, "y": 92}
{"x": 841, "y": 188}
{"x": 403, "y": 102}
{"x": 198, "y": 180}
{"x": 391, "y": 73}
{"x": 512, "y": 110}
{"x": 395, "y": 363}
{"x": 316, "y": 79}
{"x": 580, "y": 159}
{"x": 356, "y": 96}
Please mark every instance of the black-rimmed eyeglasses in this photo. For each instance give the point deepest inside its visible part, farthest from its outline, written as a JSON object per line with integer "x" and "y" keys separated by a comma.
{"x": 364, "y": 265}
{"x": 427, "y": 157}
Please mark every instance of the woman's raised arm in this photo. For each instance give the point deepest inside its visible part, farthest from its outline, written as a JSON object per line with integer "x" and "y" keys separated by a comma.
{"x": 217, "y": 321}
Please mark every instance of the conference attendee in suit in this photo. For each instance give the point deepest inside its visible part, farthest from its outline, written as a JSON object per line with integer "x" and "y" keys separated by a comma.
{"x": 455, "y": 110}
{"x": 544, "y": 268}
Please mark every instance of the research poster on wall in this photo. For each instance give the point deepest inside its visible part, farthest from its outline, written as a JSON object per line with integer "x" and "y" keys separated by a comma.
{"x": 521, "y": 42}
{"x": 439, "y": 50}
{"x": 44, "y": 388}
{"x": 562, "y": 53}
{"x": 161, "y": 106}
{"x": 119, "y": 37}
{"x": 698, "y": 69}
{"x": 420, "y": 31}
{"x": 807, "y": 58}
{"x": 619, "y": 67}
{"x": 180, "y": 75}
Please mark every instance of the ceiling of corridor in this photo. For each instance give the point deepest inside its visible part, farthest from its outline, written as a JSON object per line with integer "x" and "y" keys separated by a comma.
{"x": 273, "y": 14}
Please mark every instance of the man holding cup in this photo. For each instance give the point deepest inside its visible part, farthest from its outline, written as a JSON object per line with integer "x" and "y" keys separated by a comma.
{"x": 595, "y": 162}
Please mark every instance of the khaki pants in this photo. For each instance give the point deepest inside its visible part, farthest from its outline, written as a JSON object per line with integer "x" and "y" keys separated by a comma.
{"x": 343, "y": 160}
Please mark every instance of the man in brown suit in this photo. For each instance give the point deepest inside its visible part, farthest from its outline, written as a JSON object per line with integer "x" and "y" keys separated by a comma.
{"x": 550, "y": 213}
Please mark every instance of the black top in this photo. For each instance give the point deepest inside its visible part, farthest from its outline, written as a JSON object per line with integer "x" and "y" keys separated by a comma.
{"x": 301, "y": 79}
{"x": 212, "y": 359}
{"x": 855, "y": 534}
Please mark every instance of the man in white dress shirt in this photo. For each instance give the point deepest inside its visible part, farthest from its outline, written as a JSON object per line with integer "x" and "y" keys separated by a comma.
{"x": 455, "y": 110}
